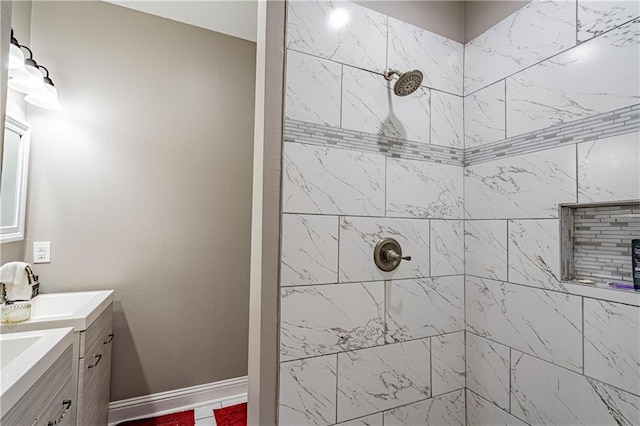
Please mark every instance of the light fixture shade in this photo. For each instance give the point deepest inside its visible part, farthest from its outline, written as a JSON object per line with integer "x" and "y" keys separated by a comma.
{"x": 16, "y": 62}
{"x": 46, "y": 98}
{"x": 32, "y": 82}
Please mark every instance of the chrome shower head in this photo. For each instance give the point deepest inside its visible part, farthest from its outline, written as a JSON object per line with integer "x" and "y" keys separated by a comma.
{"x": 408, "y": 82}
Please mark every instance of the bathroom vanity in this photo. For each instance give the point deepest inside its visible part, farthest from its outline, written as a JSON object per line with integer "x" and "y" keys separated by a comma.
{"x": 89, "y": 314}
{"x": 37, "y": 377}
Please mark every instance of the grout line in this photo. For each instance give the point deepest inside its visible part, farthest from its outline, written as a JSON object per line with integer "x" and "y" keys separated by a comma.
{"x": 510, "y": 385}
{"x": 565, "y": 293}
{"x": 552, "y": 363}
{"x": 507, "y": 244}
{"x": 583, "y": 337}
{"x": 495, "y": 405}
{"x": 577, "y": 175}
{"x": 431, "y": 366}
{"x": 371, "y": 347}
{"x": 341, "y": 93}
{"x": 505, "y": 108}
{"x": 374, "y": 281}
{"x": 338, "y": 262}
{"x": 337, "y": 377}
{"x": 552, "y": 56}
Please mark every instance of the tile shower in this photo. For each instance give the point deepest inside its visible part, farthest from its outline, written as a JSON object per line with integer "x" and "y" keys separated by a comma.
{"x": 467, "y": 174}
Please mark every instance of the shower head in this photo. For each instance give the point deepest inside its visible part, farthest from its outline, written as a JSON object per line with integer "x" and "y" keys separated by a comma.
{"x": 408, "y": 82}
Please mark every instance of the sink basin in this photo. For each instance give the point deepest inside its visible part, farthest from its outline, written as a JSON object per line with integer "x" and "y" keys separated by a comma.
{"x": 13, "y": 348}
{"x": 77, "y": 310}
{"x": 25, "y": 358}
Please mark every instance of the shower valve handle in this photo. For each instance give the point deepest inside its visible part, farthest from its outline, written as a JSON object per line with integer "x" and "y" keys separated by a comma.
{"x": 387, "y": 255}
{"x": 391, "y": 254}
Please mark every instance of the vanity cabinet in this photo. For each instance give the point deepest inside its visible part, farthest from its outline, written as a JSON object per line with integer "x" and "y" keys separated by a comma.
{"x": 93, "y": 376}
{"x": 49, "y": 401}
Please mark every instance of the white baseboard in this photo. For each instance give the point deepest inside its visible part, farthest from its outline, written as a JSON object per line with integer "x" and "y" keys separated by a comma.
{"x": 176, "y": 400}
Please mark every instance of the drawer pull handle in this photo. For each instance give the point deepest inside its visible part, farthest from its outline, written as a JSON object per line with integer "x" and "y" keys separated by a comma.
{"x": 109, "y": 340}
{"x": 99, "y": 356}
{"x": 66, "y": 404}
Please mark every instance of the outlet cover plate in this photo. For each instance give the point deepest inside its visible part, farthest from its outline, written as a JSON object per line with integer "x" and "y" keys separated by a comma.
{"x": 42, "y": 252}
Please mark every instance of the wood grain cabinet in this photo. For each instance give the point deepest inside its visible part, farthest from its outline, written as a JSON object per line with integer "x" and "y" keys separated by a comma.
{"x": 49, "y": 401}
{"x": 94, "y": 371}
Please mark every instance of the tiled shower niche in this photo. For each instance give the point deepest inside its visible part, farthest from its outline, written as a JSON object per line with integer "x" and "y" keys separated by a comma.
{"x": 596, "y": 240}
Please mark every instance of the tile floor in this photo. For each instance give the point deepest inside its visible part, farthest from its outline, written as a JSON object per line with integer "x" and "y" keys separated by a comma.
{"x": 204, "y": 415}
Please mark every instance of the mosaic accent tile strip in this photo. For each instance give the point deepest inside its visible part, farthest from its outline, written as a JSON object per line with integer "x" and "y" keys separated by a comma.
{"x": 322, "y": 135}
{"x": 602, "y": 241}
{"x": 613, "y": 123}
{"x": 617, "y": 122}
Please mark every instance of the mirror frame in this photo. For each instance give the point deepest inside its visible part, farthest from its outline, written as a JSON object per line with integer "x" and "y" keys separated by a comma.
{"x": 15, "y": 232}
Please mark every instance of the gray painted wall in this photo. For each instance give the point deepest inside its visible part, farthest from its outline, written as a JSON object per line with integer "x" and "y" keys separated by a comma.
{"x": 142, "y": 183}
{"x": 444, "y": 17}
{"x": 454, "y": 19}
{"x": 480, "y": 15}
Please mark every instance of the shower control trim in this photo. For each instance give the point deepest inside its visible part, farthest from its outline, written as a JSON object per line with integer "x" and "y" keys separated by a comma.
{"x": 387, "y": 255}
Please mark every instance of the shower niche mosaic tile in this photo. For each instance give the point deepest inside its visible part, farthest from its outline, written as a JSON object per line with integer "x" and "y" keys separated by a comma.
{"x": 596, "y": 240}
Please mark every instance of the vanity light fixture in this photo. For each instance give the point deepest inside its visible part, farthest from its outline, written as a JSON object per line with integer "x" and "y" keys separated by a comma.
{"x": 28, "y": 78}
{"x": 47, "y": 96}
{"x": 16, "y": 59}
{"x": 30, "y": 82}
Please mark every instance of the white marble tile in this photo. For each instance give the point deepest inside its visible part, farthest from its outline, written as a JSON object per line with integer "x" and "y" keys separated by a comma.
{"x": 488, "y": 370}
{"x": 439, "y": 58}
{"x": 372, "y": 420}
{"x": 596, "y": 17}
{"x": 612, "y": 343}
{"x": 332, "y": 181}
{"x": 369, "y": 105}
{"x": 313, "y": 89}
{"x": 446, "y": 409}
{"x": 484, "y": 116}
{"x": 543, "y": 323}
{"x": 359, "y": 236}
{"x": 424, "y": 307}
{"x": 205, "y": 411}
{"x": 341, "y": 31}
{"x": 309, "y": 250}
{"x": 447, "y": 362}
{"x": 528, "y": 186}
{"x": 481, "y": 412}
{"x": 384, "y": 377}
{"x": 447, "y": 247}
{"x": 424, "y": 189}
{"x": 318, "y": 320}
{"x": 485, "y": 243}
{"x": 308, "y": 391}
{"x": 447, "y": 125}
{"x": 534, "y": 253}
{"x": 600, "y": 169}
{"x": 535, "y": 32}
{"x": 543, "y": 393}
{"x": 597, "y": 76}
{"x": 206, "y": 421}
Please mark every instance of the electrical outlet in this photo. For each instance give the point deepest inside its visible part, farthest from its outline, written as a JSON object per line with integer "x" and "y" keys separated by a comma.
{"x": 42, "y": 252}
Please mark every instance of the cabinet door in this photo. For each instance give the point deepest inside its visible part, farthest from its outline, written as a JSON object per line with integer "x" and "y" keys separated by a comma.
{"x": 58, "y": 411}
{"x": 94, "y": 380}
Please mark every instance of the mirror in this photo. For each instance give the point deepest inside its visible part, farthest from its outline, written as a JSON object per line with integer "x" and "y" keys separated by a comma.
{"x": 13, "y": 185}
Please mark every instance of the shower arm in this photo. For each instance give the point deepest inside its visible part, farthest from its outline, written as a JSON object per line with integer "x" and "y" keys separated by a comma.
{"x": 388, "y": 74}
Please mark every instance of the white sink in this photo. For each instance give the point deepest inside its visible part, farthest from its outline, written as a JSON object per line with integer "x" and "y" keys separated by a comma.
{"x": 25, "y": 358}
{"x": 77, "y": 310}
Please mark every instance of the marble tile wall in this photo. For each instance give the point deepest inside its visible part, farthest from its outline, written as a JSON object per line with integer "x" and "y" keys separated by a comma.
{"x": 359, "y": 346}
{"x": 544, "y": 94}
{"x": 549, "y": 115}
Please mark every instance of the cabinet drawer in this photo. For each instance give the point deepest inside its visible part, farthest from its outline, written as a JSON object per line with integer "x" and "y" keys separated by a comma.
{"x": 58, "y": 411}
{"x": 90, "y": 336}
{"x": 94, "y": 382}
{"x": 27, "y": 409}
